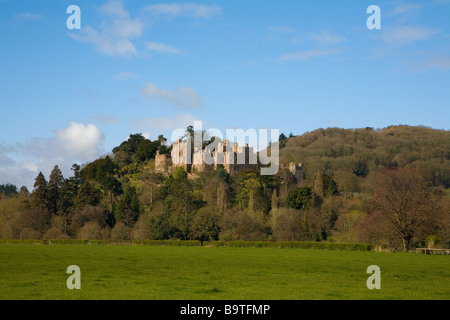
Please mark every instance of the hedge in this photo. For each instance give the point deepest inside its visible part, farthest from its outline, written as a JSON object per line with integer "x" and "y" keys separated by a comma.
{"x": 171, "y": 243}
{"x": 195, "y": 243}
{"x": 292, "y": 245}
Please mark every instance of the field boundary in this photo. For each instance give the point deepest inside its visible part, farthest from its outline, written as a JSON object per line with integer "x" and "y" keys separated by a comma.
{"x": 292, "y": 245}
{"x": 196, "y": 243}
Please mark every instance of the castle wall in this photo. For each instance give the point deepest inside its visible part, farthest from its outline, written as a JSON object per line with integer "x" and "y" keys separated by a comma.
{"x": 233, "y": 158}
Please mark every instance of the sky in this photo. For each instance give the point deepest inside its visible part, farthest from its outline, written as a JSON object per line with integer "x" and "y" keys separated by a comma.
{"x": 72, "y": 95}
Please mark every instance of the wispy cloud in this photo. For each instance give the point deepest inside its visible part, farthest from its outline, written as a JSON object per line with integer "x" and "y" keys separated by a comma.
{"x": 122, "y": 76}
{"x": 182, "y": 98}
{"x": 187, "y": 9}
{"x": 104, "y": 119}
{"x": 29, "y": 16}
{"x": 166, "y": 125}
{"x": 441, "y": 63}
{"x": 161, "y": 48}
{"x": 116, "y": 31}
{"x": 281, "y": 29}
{"x": 406, "y": 35}
{"x": 306, "y": 55}
{"x": 325, "y": 38}
{"x": 405, "y": 8}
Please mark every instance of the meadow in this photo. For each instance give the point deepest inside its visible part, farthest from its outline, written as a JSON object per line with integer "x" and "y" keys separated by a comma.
{"x": 121, "y": 272}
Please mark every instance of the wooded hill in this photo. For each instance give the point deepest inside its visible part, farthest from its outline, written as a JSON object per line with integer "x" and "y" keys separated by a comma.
{"x": 354, "y": 156}
{"x": 388, "y": 187}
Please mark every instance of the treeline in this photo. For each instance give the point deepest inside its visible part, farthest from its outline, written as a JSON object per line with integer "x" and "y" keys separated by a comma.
{"x": 121, "y": 197}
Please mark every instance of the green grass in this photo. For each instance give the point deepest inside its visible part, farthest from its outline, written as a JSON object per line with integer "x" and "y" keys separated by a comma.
{"x": 30, "y": 271}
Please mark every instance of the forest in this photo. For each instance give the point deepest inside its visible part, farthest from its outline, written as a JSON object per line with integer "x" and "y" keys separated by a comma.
{"x": 386, "y": 187}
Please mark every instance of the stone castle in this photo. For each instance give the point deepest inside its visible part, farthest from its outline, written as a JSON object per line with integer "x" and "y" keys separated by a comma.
{"x": 197, "y": 159}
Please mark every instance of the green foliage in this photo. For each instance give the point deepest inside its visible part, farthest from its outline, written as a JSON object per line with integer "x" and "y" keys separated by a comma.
{"x": 364, "y": 152}
{"x": 87, "y": 195}
{"x": 300, "y": 198}
{"x": 205, "y": 224}
{"x": 121, "y": 197}
{"x": 127, "y": 208}
{"x": 8, "y": 189}
{"x": 40, "y": 194}
{"x": 137, "y": 149}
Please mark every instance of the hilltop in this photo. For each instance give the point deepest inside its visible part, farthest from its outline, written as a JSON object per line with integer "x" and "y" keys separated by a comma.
{"x": 354, "y": 155}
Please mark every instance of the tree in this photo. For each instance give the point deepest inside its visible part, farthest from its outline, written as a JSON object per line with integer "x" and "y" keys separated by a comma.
{"x": 180, "y": 203}
{"x": 103, "y": 171}
{"x": 287, "y": 225}
{"x": 403, "y": 197}
{"x": 55, "y": 185}
{"x": 300, "y": 198}
{"x": 282, "y": 140}
{"x": 76, "y": 180}
{"x": 8, "y": 189}
{"x": 40, "y": 193}
{"x": 24, "y": 191}
{"x": 250, "y": 192}
{"x": 205, "y": 224}
{"x": 146, "y": 150}
{"x": 127, "y": 209}
{"x": 244, "y": 225}
{"x": 87, "y": 195}
{"x": 285, "y": 179}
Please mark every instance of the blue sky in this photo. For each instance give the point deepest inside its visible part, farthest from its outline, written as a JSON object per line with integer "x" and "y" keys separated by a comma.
{"x": 151, "y": 67}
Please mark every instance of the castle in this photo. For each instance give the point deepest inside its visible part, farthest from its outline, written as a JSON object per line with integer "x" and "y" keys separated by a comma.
{"x": 197, "y": 159}
{"x": 192, "y": 158}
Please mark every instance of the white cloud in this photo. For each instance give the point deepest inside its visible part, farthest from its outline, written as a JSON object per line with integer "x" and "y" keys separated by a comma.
{"x": 406, "y": 35}
{"x": 161, "y": 48}
{"x": 116, "y": 31}
{"x": 187, "y": 9}
{"x": 78, "y": 143}
{"x": 183, "y": 98}
{"x": 305, "y": 55}
{"x": 325, "y": 37}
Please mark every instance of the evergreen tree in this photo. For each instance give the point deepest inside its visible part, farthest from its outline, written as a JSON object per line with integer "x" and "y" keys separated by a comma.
{"x": 76, "y": 180}
{"x": 40, "y": 193}
{"x": 55, "y": 185}
{"x": 127, "y": 209}
{"x": 87, "y": 195}
{"x": 300, "y": 198}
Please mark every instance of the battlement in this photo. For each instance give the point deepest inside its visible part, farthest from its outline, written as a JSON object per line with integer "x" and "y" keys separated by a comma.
{"x": 185, "y": 154}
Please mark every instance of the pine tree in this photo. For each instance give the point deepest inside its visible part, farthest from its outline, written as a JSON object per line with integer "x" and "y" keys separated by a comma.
{"x": 76, "y": 180}
{"x": 55, "y": 185}
{"x": 40, "y": 193}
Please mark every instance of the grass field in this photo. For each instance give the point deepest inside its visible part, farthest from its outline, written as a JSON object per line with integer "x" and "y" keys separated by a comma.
{"x": 200, "y": 273}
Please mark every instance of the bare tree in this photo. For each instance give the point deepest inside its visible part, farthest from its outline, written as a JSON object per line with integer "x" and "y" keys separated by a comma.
{"x": 403, "y": 197}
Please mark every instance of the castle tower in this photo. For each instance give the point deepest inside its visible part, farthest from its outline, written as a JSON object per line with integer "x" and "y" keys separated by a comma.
{"x": 297, "y": 171}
